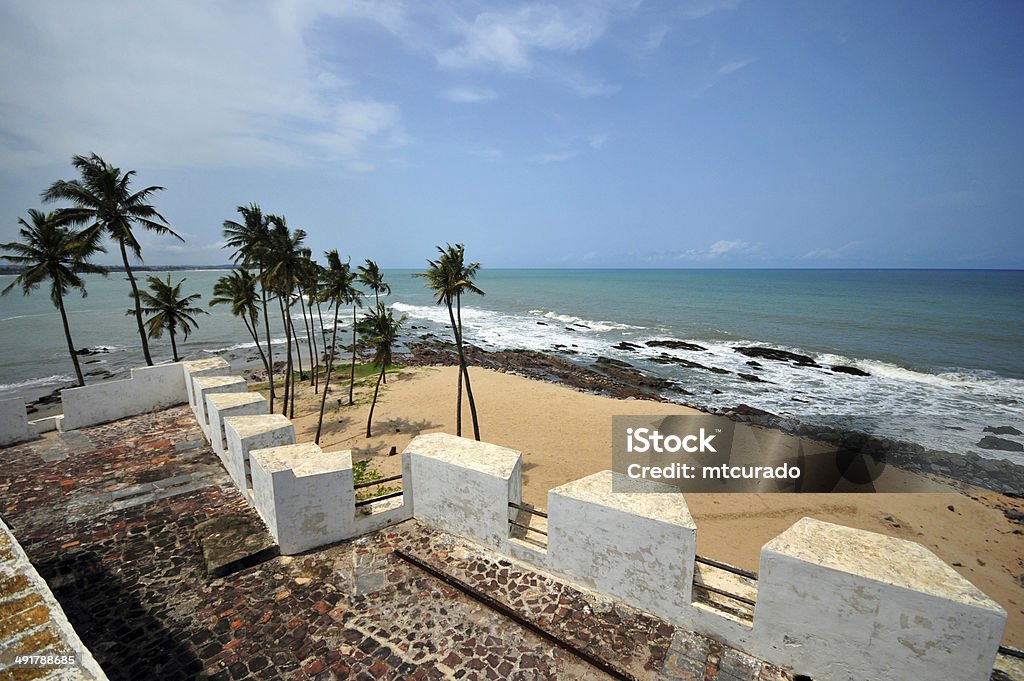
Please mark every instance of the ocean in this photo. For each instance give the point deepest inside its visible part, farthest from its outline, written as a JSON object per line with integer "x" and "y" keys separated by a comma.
{"x": 944, "y": 348}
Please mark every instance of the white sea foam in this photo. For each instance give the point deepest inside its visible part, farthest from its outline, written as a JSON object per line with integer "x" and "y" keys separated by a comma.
{"x": 55, "y": 379}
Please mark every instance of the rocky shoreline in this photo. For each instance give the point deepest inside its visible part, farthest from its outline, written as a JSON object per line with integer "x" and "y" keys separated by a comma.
{"x": 618, "y": 379}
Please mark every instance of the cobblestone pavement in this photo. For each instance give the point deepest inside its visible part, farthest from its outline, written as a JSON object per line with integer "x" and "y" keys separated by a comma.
{"x": 108, "y": 515}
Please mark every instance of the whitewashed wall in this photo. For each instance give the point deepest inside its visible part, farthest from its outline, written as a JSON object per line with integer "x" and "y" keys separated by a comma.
{"x": 14, "y": 425}
{"x": 148, "y": 389}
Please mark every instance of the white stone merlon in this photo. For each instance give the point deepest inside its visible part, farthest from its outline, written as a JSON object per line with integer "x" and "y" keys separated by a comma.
{"x": 303, "y": 494}
{"x": 638, "y": 547}
{"x": 839, "y": 603}
{"x": 214, "y": 366}
{"x": 14, "y": 425}
{"x": 463, "y": 486}
{"x": 246, "y": 433}
{"x": 207, "y": 385}
{"x": 148, "y": 389}
{"x": 221, "y": 405}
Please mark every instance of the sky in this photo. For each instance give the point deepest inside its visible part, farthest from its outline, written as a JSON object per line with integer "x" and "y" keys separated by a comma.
{"x": 690, "y": 133}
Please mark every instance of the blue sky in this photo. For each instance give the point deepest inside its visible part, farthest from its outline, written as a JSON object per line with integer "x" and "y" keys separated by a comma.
{"x": 703, "y": 133}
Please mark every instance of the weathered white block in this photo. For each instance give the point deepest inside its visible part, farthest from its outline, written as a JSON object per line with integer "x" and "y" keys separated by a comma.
{"x": 214, "y": 366}
{"x": 14, "y": 422}
{"x": 246, "y": 433}
{"x": 839, "y": 603}
{"x": 304, "y": 495}
{"x": 202, "y": 386}
{"x": 638, "y": 547}
{"x": 464, "y": 487}
{"x": 221, "y": 405}
{"x": 148, "y": 389}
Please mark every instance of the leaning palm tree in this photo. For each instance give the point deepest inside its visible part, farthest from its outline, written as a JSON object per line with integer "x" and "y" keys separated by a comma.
{"x": 105, "y": 202}
{"x": 50, "y": 251}
{"x": 238, "y": 290}
{"x": 335, "y": 286}
{"x": 373, "y": 278}
{"x": 449, "y": 277}
{"x": 169, "y": 310}
{"x": 381, "y": 328}
{"x": 251, "y": 240}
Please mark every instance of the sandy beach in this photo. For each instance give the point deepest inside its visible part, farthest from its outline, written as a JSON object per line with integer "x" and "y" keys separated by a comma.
{"x": 565, "y": 434}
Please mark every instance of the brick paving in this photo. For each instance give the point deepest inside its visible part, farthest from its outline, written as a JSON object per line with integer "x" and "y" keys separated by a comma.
{"x": 108, "y": 515}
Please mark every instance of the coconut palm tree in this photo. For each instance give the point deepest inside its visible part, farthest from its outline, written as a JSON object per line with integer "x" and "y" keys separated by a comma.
{"x": 283, "y": 262}
{"x": 381, "y": 328}
{"x": 373, "y": 278}
{"x": 336, "y": 287}
{"x": 449, "y": 276}
{"x": 169, "y": 310}
{"x": 238, "y": 290}
{"x": 51, "y": 251}
{"x": 251, "y": 240}
{"x": 105, "y": 202}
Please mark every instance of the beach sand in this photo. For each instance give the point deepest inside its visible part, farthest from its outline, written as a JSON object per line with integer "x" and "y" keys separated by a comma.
{"x": 565, "y": 435}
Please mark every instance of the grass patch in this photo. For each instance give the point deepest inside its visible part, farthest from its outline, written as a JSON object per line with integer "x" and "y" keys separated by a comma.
{"x": 364, "y": 471}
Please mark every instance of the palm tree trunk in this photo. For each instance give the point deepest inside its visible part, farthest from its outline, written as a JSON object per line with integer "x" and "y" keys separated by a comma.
{"x": 323, "y": 331}
{"x": 138, "y": 305}
{"x": 298, "y": 354}
{"x": 251, "y": 328}
{"x": 310, "y": 340}
{"x": 270, "y": 352}
{"x": 174, "y": 346}
{"x": 465, "y": 372}
{"x": 458, "y": 345}
{"x": 352, "y": 377}
{"x": 369, "y": 421}
{"x": 327, "y": 378}
{"x": 71, "y": 345}
{"x": 288, "y": 352}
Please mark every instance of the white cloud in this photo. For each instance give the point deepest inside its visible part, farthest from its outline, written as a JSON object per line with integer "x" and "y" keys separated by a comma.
{"x": 733, "y": 66}
{"x": 469, "y": 95}
{"x": 833, "y": 253}
{"x": 553, "y": 157}
{"x": 179, "y": 83}
{"x": 597, "y": 141}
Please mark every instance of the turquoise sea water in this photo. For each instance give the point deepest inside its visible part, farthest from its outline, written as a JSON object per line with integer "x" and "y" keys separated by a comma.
{"x": 944, "y": 348}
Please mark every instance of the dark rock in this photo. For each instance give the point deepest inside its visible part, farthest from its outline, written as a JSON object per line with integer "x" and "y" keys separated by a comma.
{"x": 1000, "y": 444}
{"x": 716, "y": 391}
{"x": 1013, "y": 515}
{"x": 626, "y": 345}
{"x": 91, "y": 351}
{"x": 542, "y": 323}
{"x": 853, "y": 371}
{"x": 569, "y": 328}
{"x": 674, "y": 345}
{"x": 747, "y": 410}
{"x": 669, "y": 359}
{"x": 752, "y": 363}
{"x": 776, "y": 355}
{"x": 1002, "y": 430}
{"x": 614, "y": 362}
{"x": 751, "y": 377}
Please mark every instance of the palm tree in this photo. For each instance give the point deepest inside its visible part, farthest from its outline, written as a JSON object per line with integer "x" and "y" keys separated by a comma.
{"x": 251, "y": 240}
{"x": 382, "y": 329}
{"x": 238, "y": 290}
{"x": 283, "y": 262}
{"x": 371, "y": 276}
{"x": 104, "y": 201}
{"x": 50, "y": 251}
{"x": 335, "y": 286}
{"x": 169, "y": 310}
{"x": 449, "y": 277}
